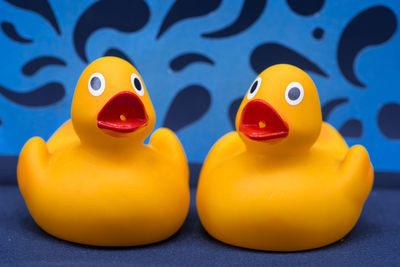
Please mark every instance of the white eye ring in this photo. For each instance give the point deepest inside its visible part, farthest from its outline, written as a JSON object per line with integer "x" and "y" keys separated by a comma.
{"x": 254, "y": 88}
{"x": 99, "y": 88}
{"x": 294, "y": 93}
{"x": 137, "y": 84}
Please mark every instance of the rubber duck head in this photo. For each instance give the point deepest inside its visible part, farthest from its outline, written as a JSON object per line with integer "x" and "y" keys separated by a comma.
{"x": 281, "y": 111}
{"x": 111, "y": 105}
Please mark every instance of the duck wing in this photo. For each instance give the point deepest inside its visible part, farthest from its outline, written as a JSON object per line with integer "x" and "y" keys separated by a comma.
{"x": 164, "y": 141}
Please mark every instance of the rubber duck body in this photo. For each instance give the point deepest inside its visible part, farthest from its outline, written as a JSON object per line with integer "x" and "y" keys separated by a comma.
{"x": 284, "y": 180}
{"x": 95, "y": 182}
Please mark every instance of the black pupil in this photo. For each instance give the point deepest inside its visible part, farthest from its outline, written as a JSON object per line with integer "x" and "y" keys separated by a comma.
{"x": 294, "y": 93}
{"x": 95, "y": 83}
{"x": 137, "y": 83}
{"x": 253, "y": 87}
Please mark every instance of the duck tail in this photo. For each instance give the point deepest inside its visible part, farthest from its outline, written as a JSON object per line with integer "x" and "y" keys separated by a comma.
{"x": 165, "y": 142}
{"x": 357, "y": 173}
{"x": 32, "y": 161}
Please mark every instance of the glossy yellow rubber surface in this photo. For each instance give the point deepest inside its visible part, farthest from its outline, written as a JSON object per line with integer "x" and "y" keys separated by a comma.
{"x": 299, "y": 192}
{"x": 98, "y": 187}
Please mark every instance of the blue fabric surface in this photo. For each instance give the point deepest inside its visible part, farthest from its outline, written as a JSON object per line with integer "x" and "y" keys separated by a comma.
{"x": 374, "y": 241}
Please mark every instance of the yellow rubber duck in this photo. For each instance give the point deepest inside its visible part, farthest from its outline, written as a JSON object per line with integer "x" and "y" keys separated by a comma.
{"x": 284, "y": 180}
{"x": 95, "y": 182}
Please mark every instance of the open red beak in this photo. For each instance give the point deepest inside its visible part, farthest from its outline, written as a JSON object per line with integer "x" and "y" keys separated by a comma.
{"x": 124, "y": 113}
{"x": 260, "y": 121}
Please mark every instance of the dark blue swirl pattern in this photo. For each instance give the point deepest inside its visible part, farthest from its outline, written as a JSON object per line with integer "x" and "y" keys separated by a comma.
{"x": 352, "y": 128}
{"x": 185, "y": 9}
{"x": 233, "y": 109}
{"x": 34, "y": 65}
{"x": 11, "y": 32}
{"x": 373, "y": 26}
{"x": 249, "y": 14}
{"x": 114, "y": 52}
{"x": 41, "y": 7}
{"x": 305, "y": 7}
{"x": 331, "y": 105}
{"x": 189, "y": 105}
{"x": 42, "y": 96}
{"x": 184, "y": 60}
{"x": 389, "y": 120}
{"x": 124, "y": 16}
{"x": 268, "y": 54}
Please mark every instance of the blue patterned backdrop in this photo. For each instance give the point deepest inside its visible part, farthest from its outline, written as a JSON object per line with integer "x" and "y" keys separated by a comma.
{"x": 198, "y": 58}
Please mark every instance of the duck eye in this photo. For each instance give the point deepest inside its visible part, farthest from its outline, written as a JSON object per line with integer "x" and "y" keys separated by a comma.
{"x": 294, "y": 93}
{"x": 254, "y": 88}
{"x": 96, "y": 84}
{"x": 137, "y": 84}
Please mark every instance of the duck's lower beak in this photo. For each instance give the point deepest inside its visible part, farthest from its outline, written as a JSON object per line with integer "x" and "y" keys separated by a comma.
{"x": 124, "y": 113}
{"x": 260, "y": 121}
